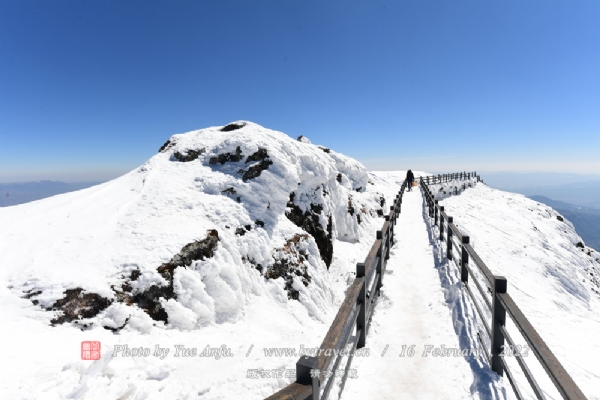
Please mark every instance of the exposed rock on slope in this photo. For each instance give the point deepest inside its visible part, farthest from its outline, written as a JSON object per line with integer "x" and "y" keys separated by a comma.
{"x": 278, "y": 205}
{"x": 309, "y": 220}
{"x": 289, "y": 263}
{"x": 150, "y": 299}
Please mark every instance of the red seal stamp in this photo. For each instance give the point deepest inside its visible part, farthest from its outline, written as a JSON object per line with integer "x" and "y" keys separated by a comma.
{"x": 90, "y": 350}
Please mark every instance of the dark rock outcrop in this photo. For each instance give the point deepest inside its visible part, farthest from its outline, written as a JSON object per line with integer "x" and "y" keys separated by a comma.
{"x": 316, "y": 208}
{"x": 190, "y": 155}
{"x": 309, "y": 221}
{"x": 168, "y": 144}
{"x": 32, "y": 293}
{"x": 232, "y": 127}
{"x": 260, "y": 155}
{"x": 77, "y": 305}
{"x": 227, "y": 157}
{"x": 256, "y": 265}
{"x": 289, "y": 262}
{"x": 263, "y": 163}
{"x": 149, "y": 300}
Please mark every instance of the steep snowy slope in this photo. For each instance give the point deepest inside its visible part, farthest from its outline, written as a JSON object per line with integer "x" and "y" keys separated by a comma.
{"x": 236, "y": 237}
{"x": 551, "y": 275}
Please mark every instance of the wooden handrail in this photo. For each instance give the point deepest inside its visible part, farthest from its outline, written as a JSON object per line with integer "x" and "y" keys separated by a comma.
{"x": 294, "y": 391}
{"x": 559, "y": 376}
{"x": 353, "y": 308}
{"x": 335, "y": 331}
{"x": 502, "y": 303}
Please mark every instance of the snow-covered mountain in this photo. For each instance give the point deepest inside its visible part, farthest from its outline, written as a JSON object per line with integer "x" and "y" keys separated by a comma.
{"x": 235, "y": 239}
{"x": 227, "y": 230}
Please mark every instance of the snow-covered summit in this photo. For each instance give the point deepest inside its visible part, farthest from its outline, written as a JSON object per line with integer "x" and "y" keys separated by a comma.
{"x": 218, "y": 215}
{"x": 242, "y": 237}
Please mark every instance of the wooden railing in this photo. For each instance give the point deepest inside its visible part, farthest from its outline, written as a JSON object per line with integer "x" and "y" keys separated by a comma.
{"x": 466, "y": 259}
{"x": 354, "y": 315}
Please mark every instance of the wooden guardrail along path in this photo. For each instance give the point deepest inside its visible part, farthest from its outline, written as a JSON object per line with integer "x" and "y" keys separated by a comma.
{"x": 361, "y": 297}
{"x": 501, "y": 304}
{"x": 354, "y": 315}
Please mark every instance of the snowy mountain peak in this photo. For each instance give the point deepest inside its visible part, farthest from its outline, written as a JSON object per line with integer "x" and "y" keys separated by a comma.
{"x": 218, "y": 215}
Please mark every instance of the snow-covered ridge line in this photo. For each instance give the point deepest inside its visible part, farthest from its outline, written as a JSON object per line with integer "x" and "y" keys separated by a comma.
{"x": 501, "y": 302}
{"x": 354, "y": 315}
{"x": 212, "y": 219}
{"x": 233, "y": 235}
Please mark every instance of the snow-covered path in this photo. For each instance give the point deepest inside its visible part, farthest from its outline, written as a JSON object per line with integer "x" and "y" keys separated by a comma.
{"x": 412, "y": 312}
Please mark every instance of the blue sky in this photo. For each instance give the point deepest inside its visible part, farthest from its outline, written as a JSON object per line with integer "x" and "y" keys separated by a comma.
{"x": 91, "y": 89}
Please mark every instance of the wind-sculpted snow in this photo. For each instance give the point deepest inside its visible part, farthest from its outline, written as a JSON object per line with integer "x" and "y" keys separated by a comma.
{"x": 258, "y": 188}
{"x": 251, "y": 250}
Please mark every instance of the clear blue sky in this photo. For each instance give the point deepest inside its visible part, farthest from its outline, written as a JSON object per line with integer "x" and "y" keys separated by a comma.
{"x": 92, "y": 89}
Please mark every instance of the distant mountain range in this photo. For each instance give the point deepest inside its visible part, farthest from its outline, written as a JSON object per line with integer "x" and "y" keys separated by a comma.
{"x": 582, "y": 190}
{"x": 12, "y": 194}
{"x": 586, "y": 220}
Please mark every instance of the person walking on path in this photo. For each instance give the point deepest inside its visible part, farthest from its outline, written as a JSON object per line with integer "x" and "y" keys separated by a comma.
{"x": 409, "y": 179}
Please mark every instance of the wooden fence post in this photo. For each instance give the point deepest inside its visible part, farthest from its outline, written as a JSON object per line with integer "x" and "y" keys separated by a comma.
{"x": 400, "y": 204}
{"x": 303, "y": 374}
{"x": 464, "y": 260}
{"x": 435, "y": 220}
{"x": 361, "y": 303}
{"x": 380, "y": 252}
{"x": 383, "y": 255}
{"x": 441, "y": 224}
{"x": 498, "y": 320}
{"x": 430, "y": 202}
{"x": 449, "y": 240}
{"x": 387, "y": 239}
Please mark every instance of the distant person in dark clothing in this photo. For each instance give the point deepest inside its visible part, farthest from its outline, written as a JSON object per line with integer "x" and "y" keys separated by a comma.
{"x": 409, "y": 180}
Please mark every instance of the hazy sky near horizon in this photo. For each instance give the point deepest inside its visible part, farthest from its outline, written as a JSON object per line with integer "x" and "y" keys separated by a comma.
{"x": 90, "y": 90}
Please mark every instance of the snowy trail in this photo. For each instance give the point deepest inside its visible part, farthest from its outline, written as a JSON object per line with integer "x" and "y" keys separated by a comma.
{"x": 412, "y": 311}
